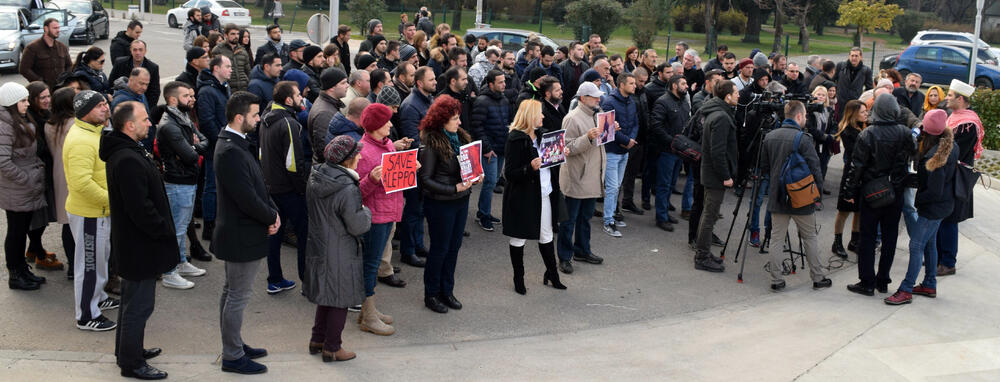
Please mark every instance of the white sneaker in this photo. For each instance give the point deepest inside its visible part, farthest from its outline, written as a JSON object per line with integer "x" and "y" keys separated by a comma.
{"x": 186, "y": 269}
{"x": 175, "y": 281}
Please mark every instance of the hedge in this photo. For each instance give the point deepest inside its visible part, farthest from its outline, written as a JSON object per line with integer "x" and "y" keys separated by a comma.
{"x": 986, "y": 103}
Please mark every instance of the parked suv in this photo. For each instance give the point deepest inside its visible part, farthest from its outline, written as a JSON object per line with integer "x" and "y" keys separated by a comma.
{"x": 935, "y": 36}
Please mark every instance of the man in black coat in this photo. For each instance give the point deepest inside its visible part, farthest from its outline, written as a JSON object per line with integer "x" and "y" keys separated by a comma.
{"x": 143, "y": 243}
{"x": 853, "y": 78}
{"x": 571, "y": 70}
{"x": 120, "y": 45}
{"x": 273, "y": 46}
{"x": 669, "y": 116}
{"x": 490, "y": 121}
{"x": 718, "y": 168}
{"x": 137, "y": 59}
{"x": 909, "y": 96}
{"x": 246, "y": 218}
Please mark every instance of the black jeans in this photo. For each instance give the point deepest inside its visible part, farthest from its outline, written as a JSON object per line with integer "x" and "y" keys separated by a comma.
{"x": 886, "y": 218}
{"x": 18, "y": 225}
{"x": 632, "y": 170}
{"x": 445, "y": 223}
{"x": 292, "y": 209}
{"x": 138, "y": 298}
{"x": 696, "y": 207}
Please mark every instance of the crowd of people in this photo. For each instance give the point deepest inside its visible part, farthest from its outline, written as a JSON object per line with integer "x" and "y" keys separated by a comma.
{"x": 294, "y": 133}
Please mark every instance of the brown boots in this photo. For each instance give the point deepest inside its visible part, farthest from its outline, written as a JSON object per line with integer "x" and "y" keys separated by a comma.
{"x": 373, "y": 321}
{"x": 328, "y": 356}
{"x": 46, "y": 261}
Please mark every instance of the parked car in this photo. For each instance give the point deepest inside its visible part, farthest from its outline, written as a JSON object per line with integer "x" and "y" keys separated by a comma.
{"x": 94, "y": 22}
{"x": 989, "y": 56}
{"x": 929, "y": 37}
{"x": 513, "y": 39}
{"x": 939, "y": 64}
{"x": 18, "y": 28}
{"x": 226, "y": 10}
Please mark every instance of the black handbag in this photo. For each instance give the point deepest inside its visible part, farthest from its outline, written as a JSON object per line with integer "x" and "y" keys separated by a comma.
{"x": 878, "y": 192}
{"x": 965, "y": 180}
{"x": 686, "y": 148}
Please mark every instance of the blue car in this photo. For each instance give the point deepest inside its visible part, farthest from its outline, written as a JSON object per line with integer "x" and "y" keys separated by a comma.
{"x": 939, "y": 64}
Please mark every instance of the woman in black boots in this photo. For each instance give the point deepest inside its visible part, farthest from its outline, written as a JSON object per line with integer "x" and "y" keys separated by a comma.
{"x": 853, "y": 122}
{"x": 531, "y": 199}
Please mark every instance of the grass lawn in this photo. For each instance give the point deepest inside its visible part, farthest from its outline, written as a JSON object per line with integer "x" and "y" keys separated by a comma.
{"x": 833, "y": 41}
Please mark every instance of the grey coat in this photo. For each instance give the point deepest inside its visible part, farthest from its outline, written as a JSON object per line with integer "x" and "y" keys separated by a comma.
{"x": 22, "y": 173}
{"x": 778, "y": 145}
{"x": 337, "y": 219}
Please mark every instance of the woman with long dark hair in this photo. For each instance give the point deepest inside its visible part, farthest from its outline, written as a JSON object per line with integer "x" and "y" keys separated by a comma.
{"x": 89, "y": 64}
{"x": 854, "y": 121}
{"x": 245, "y": 42}
{"x": 56, "y": 129}
{"x": 22, "y": 183}
{"x": 935, "y": 200}
{"x": 531, "y": 198}
{"x": 420, "y": 42}
{"x": 39, "y": 103}
{"x": 446, "y": 199}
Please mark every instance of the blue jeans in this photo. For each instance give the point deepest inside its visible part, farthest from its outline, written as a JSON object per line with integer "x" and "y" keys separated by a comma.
{"x": 492, "y": 170}
{"x": 579, "y": 212}
{"x": 612, "y": 180}
{"x": 909, "y": 210}
{"x": 445, "y": 223}
{"x": 411, "y": 228}
{"x": 947, "y": 243}
{"x": 666, "y": 172}
{"x": 208, "y": 194}
{"x": 374, "y": 245}
{"x": 923, "y": 246}
{"x": 688, "y": 198}
{"x": 181, "y": 198}
{"x": 291, "y": 209}
{"x": 765, "y": 182}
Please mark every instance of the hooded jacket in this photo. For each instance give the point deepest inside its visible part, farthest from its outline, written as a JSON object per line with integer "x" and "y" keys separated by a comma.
{"x": 211, "y": 106}
{"x": 340, "y": 125}
{"x": 478, "y": 71}
{"x": 285, "y": 167}
{"x": 627, "y": 116}
{"x": 262, "y": 86}
{"x": 935, "y": 198}
{"x": 718, "y": 144}
{"x": 490, "y": 120}
{"x": 120, "y": 46}
{"x": 143, "y": 239}
{"x": 86, "y": 176}
{"x": 337, "y": 219}
{"x": 582, "y": 176}
{"x": 191, "y": 31}
{"x": 778, "y": 145}
{"x": 175, "y": 143}
{"x": 883, "y": 149}
{"x": 22, "y": 173}
{"x": 240, "y": 77}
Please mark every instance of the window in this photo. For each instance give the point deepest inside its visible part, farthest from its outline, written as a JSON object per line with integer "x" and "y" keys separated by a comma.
{"x": 949, "y": 56}
{"x": 189, "y": 4}
{"x": 513, "y": 39}
{"x": 927, "y": 54}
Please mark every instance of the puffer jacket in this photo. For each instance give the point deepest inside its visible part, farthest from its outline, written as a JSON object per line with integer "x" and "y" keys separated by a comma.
{"x": 262, "y": 86}
{"x": 22, "y": 173}
{"x": 411, "y": 111}
{"x": 240, "y": 78}
{"x": 627, "y": 116}
{"x": 654, "y": 90}
{"x": 478, "y": 71}
{"x": 175, "y": 144}
{"x": 211, "y": 106}
{"x": 385, "y": 208}
{"x": 120, "y": 46}
{"x": 340, "y": 125}
{"x": 718, "y": 144}
{"x": 553, "y": 70}
{"x": 490, "y": 120}
{"x": 86, "y": 175}
{"x": 582, "y": 176}
{"x": 337, "y": 219}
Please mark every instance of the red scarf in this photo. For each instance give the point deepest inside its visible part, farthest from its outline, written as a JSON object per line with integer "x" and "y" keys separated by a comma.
{"x": 960, "y": 118}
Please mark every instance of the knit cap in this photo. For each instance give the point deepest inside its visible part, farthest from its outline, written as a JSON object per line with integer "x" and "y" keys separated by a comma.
{"x": 375, "y": 116}
{"x": 341, "y": 148}
{"x": 388, "y": 96}
{"x": 11, "y": 93}
{"x": 85, "y": 101}
{"x": 935, "y": 121}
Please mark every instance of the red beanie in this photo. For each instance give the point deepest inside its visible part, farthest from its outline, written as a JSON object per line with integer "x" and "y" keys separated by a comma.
{"x": 375, "y": 116}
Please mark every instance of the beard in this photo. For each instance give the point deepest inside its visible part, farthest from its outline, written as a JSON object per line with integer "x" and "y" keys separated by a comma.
{"x": 184, "y": 108}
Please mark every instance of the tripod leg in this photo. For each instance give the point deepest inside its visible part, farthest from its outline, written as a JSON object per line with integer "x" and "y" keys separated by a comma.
{"x": 791, "y": 252}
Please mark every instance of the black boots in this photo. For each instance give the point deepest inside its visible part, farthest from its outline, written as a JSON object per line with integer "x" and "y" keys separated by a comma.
{"x": 838, "y": 246}
{"x": 206, "y": 230}
{"x": 517, "y": 262}
{"x": 198, "y": 252}
{"x": 853, "y": 244}
{"x": 19, "y": 280}
{"x": 548, "y": 251}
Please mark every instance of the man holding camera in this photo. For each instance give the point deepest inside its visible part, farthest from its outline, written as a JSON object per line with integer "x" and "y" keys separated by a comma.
{"x": 778, "y": 145}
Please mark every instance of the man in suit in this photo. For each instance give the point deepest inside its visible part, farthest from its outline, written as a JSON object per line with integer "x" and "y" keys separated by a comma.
{"x": 143, "y": 241}
{"x": 246, "y": 216}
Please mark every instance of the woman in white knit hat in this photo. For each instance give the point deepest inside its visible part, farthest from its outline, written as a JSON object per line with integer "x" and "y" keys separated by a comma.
{"x": 22, "y": 183}
{"x": 969, "y": 132}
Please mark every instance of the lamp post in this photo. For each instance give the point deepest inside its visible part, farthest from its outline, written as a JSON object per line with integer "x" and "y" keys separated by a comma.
{"x": 975, "y": 42}
{"x": 334, "y": 17}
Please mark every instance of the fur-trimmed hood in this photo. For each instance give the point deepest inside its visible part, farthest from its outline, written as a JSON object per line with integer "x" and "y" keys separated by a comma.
{"x": 940, "y": 156}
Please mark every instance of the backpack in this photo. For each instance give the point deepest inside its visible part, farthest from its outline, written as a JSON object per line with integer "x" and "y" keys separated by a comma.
{"x": 800, "y": 185}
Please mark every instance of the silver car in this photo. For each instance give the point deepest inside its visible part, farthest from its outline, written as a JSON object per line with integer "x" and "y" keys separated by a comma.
{"x": 18, "y": 28}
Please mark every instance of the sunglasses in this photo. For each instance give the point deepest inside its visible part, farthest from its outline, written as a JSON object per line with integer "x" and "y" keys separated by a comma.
{"x": 100, "y": 61}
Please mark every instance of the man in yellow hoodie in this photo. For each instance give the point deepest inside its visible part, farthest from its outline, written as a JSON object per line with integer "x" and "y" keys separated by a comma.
{"x": 88, "y": 210}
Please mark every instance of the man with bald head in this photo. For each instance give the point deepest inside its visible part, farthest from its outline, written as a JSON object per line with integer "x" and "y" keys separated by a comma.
{"x": 135, "y": 90}
{"x": 137, "y": 59}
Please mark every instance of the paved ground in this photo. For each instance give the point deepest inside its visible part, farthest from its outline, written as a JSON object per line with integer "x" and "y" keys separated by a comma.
{"x": 643, "y": 314}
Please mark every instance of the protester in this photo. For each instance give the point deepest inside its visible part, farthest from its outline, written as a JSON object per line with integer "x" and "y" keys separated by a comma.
{"x": 338, "y": 220}
{"x": 881, "y": 155}
{"x": 142, "y": 233}
{"x": 360, "y": 86}
{"x": 622, "y": 102}
{"x": 373, "y": 32}
{"x": 934, "y": 99}
{"x": 45, "y": 59}
{"x": 852, "y": 78}
{"x": 334, "y": 84}
{"x": 87, "y": 207}
{"x": 246, "y": 216}
{"x": 121, "y": 44}
{"x": 777, "y": 148}
{"x": 745, "y": 76}
{"x": 446, "y": 199}
{"x": 263, "y": 78}
{"x": 935, "y": 199}
{"x": 192, "y": 28}
{"x": 90, "y": 66}
{"x": 718, "y": 168}
{"x": 340, "y": 40}
{"x": 583, "y": 178}
{"x": 909, "y": 95}
{"x": 572, "y": 70}
{"x": 491, "y": 117}
{"x": 411, "y": 112}
{"x": 197, "y": 60}
{"x": 295, "y": 61}
{"x": 532, "y": 203}
{"x": 669, "y": 116}
{"x": 213, "y": 91}
{"x": 209, "y": 22}
{"x": 854, "y": 121}
{"x": 238, "y": 56}
{"x": 56, "y": 128}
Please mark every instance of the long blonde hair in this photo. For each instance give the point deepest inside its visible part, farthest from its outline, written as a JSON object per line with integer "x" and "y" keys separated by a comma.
{"x": 826, "y": 93}
{"x": 526, "y": 115}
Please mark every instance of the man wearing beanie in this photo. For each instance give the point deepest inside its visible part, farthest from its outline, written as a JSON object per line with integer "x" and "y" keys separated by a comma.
{"x": 238, "y": 56}
{"x": 312, "y": 57}
{"x": 366, "y": 62}
{"x": 294, "y": 56}
{"x": 286, "y": 170}
{"x": 407, "y": 53}
{"x": 88, "y": 209}
{"x": 745, "y": 76}
{"x": 326, "y": 106}
{"x": 374, "y": 30}
{"x": 197, "y": 60}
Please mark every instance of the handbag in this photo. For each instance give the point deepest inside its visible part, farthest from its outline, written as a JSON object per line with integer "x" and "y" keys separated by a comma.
{"x": 878, "y": 192}
{"x": 686, "y": 148}
{"x": 965, "y": 180}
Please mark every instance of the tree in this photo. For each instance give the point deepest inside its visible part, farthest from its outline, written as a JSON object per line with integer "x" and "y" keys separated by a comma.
{"x": 643, "y": 17}
{"x": 819, "y": 14}
{"x": 364, "y": 10}
{"x": 867, "y": 15}
{"x": 712, "y": 21}
{"x": 801, "y": 10}
{"x": 456, "y": 15}
{"x": 602, "y": 16}
{"x": 955, "y": 11}
{"x": 752, "y": 10}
